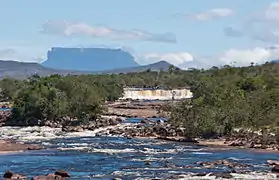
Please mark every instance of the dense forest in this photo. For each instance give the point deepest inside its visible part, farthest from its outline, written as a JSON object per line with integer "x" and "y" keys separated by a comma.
{"x": 229, "y": 98}
{"x": 224, "y": 98}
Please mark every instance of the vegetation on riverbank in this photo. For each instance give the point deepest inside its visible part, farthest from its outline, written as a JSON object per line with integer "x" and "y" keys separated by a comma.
{"x": 81, "y": 97}
{"x": 229, "y": 98}
{"x": 224, "y": 98}
{"x": 50, "y": 98}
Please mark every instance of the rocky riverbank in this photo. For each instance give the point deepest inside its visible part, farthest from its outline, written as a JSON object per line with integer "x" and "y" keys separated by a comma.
{"x": 69, "y": 124}
{"x": 150, "y": 129}
{"x": 146, "y": 128}
{"x": 137, "y": 109}
{"x": 11, "y": 147}
{"x": 4, "y": 115}
{"x": 233, "y": 168}
{"x": 57, "y": 175}
{"x": 256, "y": 140}
{"x": 163, "y": 130}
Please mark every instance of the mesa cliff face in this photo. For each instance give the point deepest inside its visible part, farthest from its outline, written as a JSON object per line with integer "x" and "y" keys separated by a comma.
{"x": 88, "y": 59}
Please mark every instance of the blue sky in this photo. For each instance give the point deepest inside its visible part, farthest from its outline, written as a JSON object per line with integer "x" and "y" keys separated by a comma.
{"x": 193, "y": 32}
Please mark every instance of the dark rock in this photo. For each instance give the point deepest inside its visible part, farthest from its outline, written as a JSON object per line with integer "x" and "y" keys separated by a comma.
{"x": 144, "y": 121}
{"x": 49, "y": 177}
{"x": 72, "y": 129}
{"x": 272, "y": 162}
{"x": 225, "y": 163}
{"x": 33, "y": 148}
{"x": 62, "y": 173}
{"x": 4, "y": 116}
{"x": 201, "y": 174}
{"x": 275, "y": 169}
{"x": 225, "y": 175}
{"x": 147, "y": 162}
{"x": 10, "y": 175}
{"x": 160, "y": 121}
{"x": 237, "y": 143}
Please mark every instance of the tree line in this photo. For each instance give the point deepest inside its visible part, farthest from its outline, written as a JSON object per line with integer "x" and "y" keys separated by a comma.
{"x": 228, "y": 98}
{"x": 223, "y": 98}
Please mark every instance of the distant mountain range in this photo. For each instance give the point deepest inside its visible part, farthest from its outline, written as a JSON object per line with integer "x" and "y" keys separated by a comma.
{"x": 88, "y": 59}
{"x": 277, "y": 61}
{"x": 20, "y": 70}
{"x": 64, "y": 61}
{"x": 158, "y": 66}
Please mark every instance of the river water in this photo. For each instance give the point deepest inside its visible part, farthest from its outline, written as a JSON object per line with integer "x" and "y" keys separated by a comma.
{"x": 87, "y": 156}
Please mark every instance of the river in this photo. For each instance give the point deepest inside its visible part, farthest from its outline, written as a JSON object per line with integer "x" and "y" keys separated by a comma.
{"x": 87, "y": 156}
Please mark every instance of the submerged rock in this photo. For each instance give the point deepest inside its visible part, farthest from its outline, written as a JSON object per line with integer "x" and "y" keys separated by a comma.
{"x": 272, "y": 162}
{"x": 62, "y": 173}
{"x": 13, "y": 146}
{"x": 10, "y": 175}
{"x": 228, "y": 164}
{"x": 224, "y": 175}
{"x": 49, "y": 177}
{"x": 58, "y": 175}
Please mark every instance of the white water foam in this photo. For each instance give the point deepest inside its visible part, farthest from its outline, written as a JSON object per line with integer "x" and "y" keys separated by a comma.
{"x": 249, "y": 176}
{"x": 239, "y": 159}
{"x": 42, "y": 133}
{"x": 151, "y": 159}
{"x": 113, "y": 151}
{"x": 201, "y": 153}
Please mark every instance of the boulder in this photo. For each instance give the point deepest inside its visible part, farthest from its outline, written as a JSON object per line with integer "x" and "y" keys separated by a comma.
{"x": 10, "y": 175}
{"x": 144, "y": 121}
{"x": 49, "y": 177}
{"x": 237, "y": 143}
{"x": 58, "y": 175}
{"x": 272, "y": 162}
{"x": 62, "y": 173}
{"x": 275, "y": 169}
{"x": 222, "y": 175}
{"x": 72, "y": 129}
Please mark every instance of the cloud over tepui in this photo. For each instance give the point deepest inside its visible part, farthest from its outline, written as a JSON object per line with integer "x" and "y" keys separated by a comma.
{"x": 69, "y": 29}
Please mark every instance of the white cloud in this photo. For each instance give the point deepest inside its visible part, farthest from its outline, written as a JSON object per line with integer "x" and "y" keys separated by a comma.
{"x": 81, "y": 29}
{"x": 263, "y": 26}
{"x": 184, "y": 60}
{"x": 236, "y": 57}
{"x": 176, "y": 59}
{"x": 22, "y": 53}
{"x": 211, "y": 14}
{"x": 256, "y": 55}
{"x": 272, "y": 12}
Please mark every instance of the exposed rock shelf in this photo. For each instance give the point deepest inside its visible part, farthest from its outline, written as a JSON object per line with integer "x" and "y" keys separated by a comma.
{"x": 233, "y": 168}
{"x": 136, "y": 109}
{"x": 9, "y": 147}
{"x": 58, "y": 175}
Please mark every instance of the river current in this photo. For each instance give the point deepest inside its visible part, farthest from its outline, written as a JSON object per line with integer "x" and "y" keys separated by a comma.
{"x": 87, "y": 155}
